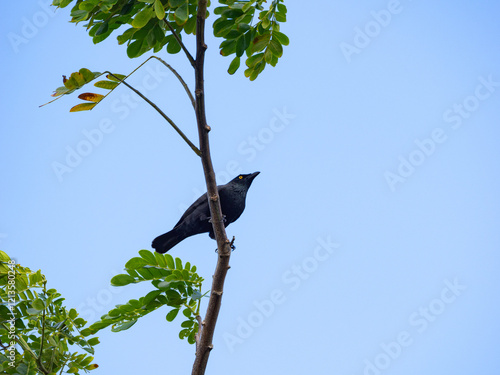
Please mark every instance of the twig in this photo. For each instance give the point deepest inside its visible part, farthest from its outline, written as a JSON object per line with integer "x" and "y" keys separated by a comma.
{"x": 39, "y": 360}
{"x": 179, "y": 78}
{"x": 179, "y": 40}
{"x": 186, "y": 139}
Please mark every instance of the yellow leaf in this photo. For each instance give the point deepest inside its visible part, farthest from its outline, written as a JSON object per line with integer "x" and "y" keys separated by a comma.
{"x": 83, "y": 107}
{"x": 108, "y": 85}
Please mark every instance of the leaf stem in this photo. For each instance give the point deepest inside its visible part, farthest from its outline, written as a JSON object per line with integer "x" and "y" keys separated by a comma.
{"x": 169, "y": 120}
{"x": 183, "y": 83}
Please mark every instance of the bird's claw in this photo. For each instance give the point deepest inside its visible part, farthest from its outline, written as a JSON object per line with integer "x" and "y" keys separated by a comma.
{"x": 231, "y": 245}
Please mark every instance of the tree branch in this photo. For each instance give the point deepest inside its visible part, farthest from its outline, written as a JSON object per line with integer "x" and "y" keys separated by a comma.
{"x": 179, "y": 40}
{"x": 186, "y": 139}
{"x": 223, "y": 245}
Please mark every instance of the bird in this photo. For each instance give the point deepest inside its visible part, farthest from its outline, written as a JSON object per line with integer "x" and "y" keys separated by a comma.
{"x": 197, "y": 219}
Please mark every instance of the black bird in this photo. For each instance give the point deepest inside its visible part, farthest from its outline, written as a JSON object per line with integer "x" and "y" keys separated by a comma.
{"x": 196, "y": 219}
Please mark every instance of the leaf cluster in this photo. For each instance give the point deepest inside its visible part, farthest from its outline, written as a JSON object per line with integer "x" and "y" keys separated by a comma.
{"x": 246, "y": 27}
{"x": 151, "y": 21}
{"x": 33, "y": 318}
{"x": 176, "y": 285}
{"x": 262, "y": 42}
{"x": 79, "y": 79}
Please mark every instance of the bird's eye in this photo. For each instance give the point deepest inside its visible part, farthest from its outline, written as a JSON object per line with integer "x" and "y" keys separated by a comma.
{"x": 240, "y": 176}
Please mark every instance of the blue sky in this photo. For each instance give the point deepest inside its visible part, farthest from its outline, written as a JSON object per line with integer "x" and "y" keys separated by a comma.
{"x": 370, "y": 240}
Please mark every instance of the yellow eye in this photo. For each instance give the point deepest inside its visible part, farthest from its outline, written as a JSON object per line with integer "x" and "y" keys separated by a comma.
{"x": 240, "y": 176}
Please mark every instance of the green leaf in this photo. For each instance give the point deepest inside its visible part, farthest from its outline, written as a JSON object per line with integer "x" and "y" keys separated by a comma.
{"x": 151, "y": 296}
{"x": 160, "y": 259}
{"x": 172, "y": 314}
{"x": 134, "y": 49}
{"x": 266, "y": 22}
{"x": 187, "y": 312}
{"x": 93, "y": 341}
{"x": 143, "y": 17}
{"x": 255, "y": 59}
{"x": 173, "y": 47}
{"x": 260, "y": 42}
{"x": 33, "y": 311}
{"x": 88, "y": 75}
{"x": 102, "y": 29}
{"x": 228, "y": 47}
{"x": 190, "y": 25}
{"x": 176, "y": 3}
{"x": 222, "y": 27}
{"x": 192, "y": 338}
{"x": 149, "y": 257}
{"x": 183, "y": 333}
{"x": 159, "y": 10}
{"x": 282, "y": 38}
{"x": 173, "y": 296}
{"x": 122, "y": 279}
{"x": 164, "y": 285}
{"x": 276, "y": 48}
{"x": 247, "y": 6}
{"x": 135, "y": 263}
{"x": 38, "y": 304}
{"x": 4, "y": 257}
{"x": 170, "y": 261}
{"x": 241, "y": 46}
{"x": 187, "y": 323}
{"x": 268, "y": 55}
{"x": 123, "y": 326}
{"x": 280, "y": 17}
{"x": 282, "y": 8}
{"x": 79, "y": 15}
{"x": 178, "y": 264}
{"x": 181, "y": 14}
{"x": 72, "y": 314}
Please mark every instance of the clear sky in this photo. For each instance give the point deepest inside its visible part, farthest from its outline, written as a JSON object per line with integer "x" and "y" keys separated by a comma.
{"x": 370, "y": 240}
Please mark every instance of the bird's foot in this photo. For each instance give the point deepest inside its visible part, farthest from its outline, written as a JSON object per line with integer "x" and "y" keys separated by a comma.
{"x": 231, "y": 245}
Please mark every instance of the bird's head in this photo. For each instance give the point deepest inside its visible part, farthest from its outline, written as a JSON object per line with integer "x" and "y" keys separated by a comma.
{"x": 244, "y": 180}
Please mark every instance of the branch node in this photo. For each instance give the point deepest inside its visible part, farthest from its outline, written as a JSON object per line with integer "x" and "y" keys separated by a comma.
{"x": 207, "y": 128}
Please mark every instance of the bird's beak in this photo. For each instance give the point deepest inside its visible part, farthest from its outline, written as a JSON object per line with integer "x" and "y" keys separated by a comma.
{"x": 253, "y": 175}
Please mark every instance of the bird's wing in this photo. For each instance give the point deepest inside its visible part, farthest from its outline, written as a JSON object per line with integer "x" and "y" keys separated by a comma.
{"x": 196, "y": 206}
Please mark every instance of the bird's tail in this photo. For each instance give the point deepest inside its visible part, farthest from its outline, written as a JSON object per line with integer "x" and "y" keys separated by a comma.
{"x": 166, "y": 241}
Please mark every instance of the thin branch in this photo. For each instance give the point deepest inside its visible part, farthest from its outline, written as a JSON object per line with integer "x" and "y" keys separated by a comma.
{"x": 43, "y": 333}
{"x": 179, "y": 78}
{"x": 186, "y": 139}
{"x": 27, "y": 349}
{"x": 179, "y": 40}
